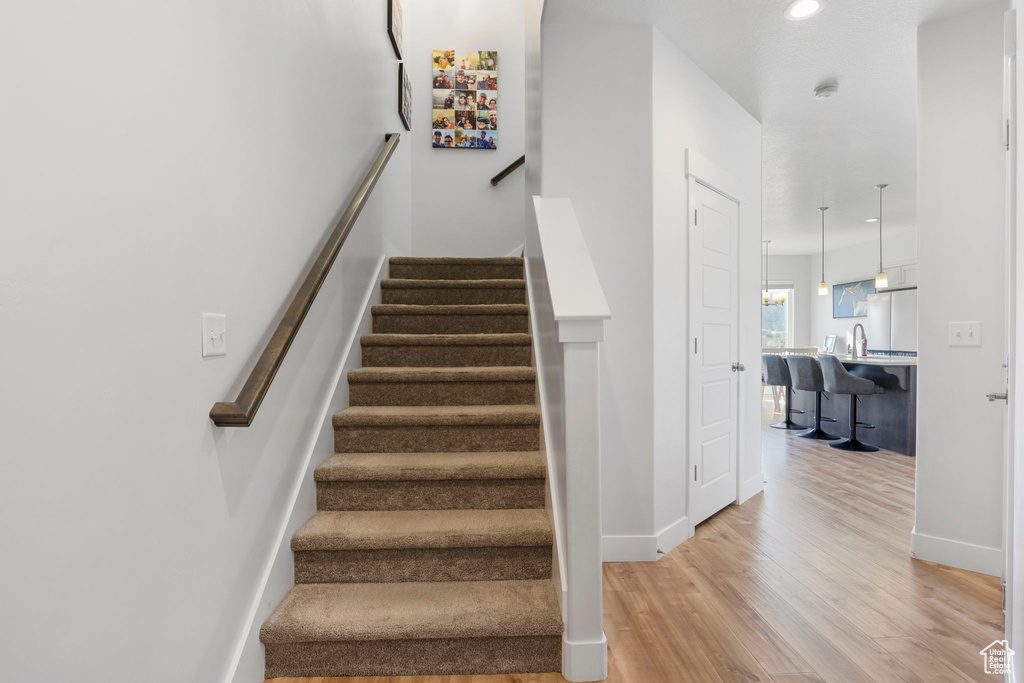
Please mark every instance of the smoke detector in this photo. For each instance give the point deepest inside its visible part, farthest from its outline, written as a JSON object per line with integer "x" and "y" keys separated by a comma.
{"x": 826, "y": 90}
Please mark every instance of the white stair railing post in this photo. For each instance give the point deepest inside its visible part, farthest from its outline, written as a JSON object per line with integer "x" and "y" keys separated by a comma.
{"x": 580, "y": 310}
{"x": 585, "y": 647}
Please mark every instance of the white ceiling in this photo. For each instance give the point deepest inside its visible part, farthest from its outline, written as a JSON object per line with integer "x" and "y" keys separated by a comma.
{"x": 815, "y": 152}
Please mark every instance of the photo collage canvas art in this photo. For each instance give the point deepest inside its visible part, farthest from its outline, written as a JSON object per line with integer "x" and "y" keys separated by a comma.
{"x": 465, "y": 99}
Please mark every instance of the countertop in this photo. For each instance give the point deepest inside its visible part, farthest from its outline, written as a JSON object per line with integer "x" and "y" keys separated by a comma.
{"x": 897, "y": 361}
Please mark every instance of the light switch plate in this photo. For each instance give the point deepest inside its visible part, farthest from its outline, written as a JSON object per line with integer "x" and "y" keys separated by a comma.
{"x": 965, "y": 334}
{"x": 215, "y": 335}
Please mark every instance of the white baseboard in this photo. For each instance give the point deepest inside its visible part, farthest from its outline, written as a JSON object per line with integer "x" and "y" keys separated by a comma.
{"x": 277, "y": 578}
{"x": 518, "y": 251}
{"x": 644, "y": 548}
{"x": 585, "y": 661}
{"x": 750, "y": 488}
{"x": 629, "y": 549}
{"x": 973, "y": 558}
{"x": 672, "y": 535}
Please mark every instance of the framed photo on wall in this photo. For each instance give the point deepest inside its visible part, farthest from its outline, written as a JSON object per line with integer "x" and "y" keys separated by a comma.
{"x": 850, "y": 300}
{"x": 464, "y": 99}
{"x": 395, "y": 25}
{"x": 404, "y": 97}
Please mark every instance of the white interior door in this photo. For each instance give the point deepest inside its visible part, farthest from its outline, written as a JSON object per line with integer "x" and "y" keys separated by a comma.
{"x": 714, "y": 322}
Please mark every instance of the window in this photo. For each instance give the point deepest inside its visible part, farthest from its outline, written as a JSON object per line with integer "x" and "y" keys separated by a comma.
{"x": 776, "y": 321}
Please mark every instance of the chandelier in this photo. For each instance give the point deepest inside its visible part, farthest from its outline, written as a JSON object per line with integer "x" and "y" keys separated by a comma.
{"x": 766, "y": 296}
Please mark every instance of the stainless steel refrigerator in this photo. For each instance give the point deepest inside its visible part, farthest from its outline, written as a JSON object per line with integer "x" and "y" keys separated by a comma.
{"x": 892, "y": 321}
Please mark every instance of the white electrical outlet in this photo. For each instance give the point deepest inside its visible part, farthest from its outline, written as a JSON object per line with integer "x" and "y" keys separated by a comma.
{"x": 215, "y": 335}
{"x": 965, "y": 334}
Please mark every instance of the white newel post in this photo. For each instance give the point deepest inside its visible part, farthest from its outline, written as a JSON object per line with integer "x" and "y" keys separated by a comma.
{"x": 585, "y": 647}
{"x": 580, "y": 310}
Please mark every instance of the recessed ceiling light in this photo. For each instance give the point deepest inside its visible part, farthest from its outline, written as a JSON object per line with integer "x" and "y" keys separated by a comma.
{"x": 872, "y": 220}
{"x": 802, "y": 9}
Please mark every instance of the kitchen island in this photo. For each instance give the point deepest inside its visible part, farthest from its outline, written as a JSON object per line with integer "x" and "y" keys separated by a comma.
{"x": 893, "y": 413}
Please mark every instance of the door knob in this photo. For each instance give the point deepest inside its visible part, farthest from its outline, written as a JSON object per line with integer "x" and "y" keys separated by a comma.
{"x": 997, "y": 397}
{"x": 738, "y": 367}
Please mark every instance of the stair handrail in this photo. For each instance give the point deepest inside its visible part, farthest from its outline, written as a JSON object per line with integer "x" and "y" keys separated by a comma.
{"x": 242, "y": 411}
{"x": 508, "y": 169}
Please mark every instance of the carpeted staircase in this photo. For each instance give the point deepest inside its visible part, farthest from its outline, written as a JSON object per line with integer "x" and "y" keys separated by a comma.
{"x": 431, "y": 550}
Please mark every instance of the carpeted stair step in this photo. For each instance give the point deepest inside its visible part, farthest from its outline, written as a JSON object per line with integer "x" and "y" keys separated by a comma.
{"x": 445, "y": 350}
{"x": 448, "y": 268}
{"x": 423, "y": 545}
{"x": 415, "y": 629}
{"x": 453, "y": 292}
{"x": 419, "y": 429}
{"x": 442, "y": 386}
{"x": 468, "y": 319}
{"x": 431, "y": 481}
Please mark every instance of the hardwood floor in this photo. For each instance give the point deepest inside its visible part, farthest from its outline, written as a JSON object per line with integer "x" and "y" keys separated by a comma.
{"x": 809, "y": 582}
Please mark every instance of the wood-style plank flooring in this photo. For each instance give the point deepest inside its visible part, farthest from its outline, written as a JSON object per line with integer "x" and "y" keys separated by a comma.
{"x": 811, "y": 581}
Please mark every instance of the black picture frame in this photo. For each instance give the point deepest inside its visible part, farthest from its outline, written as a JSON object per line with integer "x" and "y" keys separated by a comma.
{"x": 395, "y": 25}
{"x": 404, "y": 97}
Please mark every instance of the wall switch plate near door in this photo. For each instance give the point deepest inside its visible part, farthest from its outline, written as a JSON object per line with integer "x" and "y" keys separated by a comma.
{"x": 215, "y": 335}
{"x": 965, "y": 334}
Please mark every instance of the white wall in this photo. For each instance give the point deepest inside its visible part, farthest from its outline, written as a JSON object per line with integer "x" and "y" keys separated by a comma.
{"x": 690, "y": 112}
{"x": 961, "y": 163}
{"x": 614, "y": 210}
{"x": 792, "y": 269}
{"x": 455, "y": 209}
{"x": 170, "y": 158}
{"x": 849, "y": 264}
{"x": 628, "y": 188}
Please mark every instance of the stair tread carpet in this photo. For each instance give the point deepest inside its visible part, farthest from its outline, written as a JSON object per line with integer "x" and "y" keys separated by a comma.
{"x": 455, "y": 261}
{"x": 450, "y": 309}
{"x": 408, "y": 416}
{"x": 394, "y": 529}
{"x": 519, "y": 373}
{"x": 431, "y": 550}
{"x": 400, "y": 283}
{"x": 431, "y": 466}
{"x": 398, "y": 611}
{"x": 491, "y": 339}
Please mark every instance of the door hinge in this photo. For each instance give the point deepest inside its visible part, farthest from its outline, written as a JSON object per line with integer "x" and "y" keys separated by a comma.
{"x": 1002, "y": 585}
{"x": 695, "y": 345}
{"x": 695, "y": 210}
{"x": 695, "y": 473}
{"x": 1007, "y": 135}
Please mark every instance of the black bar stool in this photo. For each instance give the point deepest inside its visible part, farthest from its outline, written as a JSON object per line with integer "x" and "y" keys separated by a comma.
{"x": 776, "y": 374}
{"x": 839, "y": 381}
{"x": 805, "y": 372}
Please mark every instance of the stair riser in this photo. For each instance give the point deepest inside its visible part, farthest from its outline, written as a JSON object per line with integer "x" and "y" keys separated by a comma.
{"x": 441, "y": 393}
{"x": 423, "y": 564}
{"x": 437, "y": 438}
{"x": 449, "y": 324}
{"x": 420, "y": 271}
{"x": 453, "y": 494}
{"x": 423, "y": 657}
{"x": 457, "y": 296}
{"x": 445, "y": 356}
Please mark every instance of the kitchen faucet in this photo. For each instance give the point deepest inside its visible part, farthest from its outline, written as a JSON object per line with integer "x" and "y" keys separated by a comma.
{"x": 864, "y": 335}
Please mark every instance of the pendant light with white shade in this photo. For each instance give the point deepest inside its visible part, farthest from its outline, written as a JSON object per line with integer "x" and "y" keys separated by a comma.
{"x": 823, "y": 286}
{"x": 881, "y": 280}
